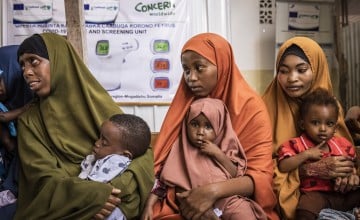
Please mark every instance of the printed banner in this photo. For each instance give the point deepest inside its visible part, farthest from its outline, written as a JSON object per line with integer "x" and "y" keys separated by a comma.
{"x": 304, "y": 17}
{"x": 133, "y": 46}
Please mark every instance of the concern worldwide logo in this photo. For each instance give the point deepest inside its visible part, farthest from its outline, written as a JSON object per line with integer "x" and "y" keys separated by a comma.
{"x": 160, "y": 8}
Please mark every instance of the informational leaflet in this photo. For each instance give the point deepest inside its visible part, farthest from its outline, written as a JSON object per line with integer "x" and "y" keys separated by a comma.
{"x": 133, "y": 46}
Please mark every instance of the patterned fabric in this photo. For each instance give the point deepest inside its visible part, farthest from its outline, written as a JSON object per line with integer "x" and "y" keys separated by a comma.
{"x": 331, "y": 214}
{"x": 105, "y": 169}
{"x": 159, "y": 188}
{"x": 6, "y": 198}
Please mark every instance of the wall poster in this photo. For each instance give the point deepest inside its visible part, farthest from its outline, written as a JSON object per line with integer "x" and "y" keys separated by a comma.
{"x": 304, "y": 17}
{"x": 133, "y": 46}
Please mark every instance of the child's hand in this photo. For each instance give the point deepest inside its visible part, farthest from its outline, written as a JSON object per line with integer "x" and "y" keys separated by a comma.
{"x": 147, "y": 213}
{"x": 210, "y": 148}
{"x": 315, "y": 153}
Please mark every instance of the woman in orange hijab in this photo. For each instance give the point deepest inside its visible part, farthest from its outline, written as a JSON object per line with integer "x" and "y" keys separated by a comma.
{"x": 210, "y": 71}
{"x": 301, "y": 68}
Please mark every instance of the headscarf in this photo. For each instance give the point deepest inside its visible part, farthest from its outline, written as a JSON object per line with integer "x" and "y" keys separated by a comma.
{"x": 56, "y": 134}
{"x": 247, "y": 112}
{"x": 35, "y": 45}
{"x": 18, "y": 92}
{"x": 283, "y": 112}
{"x": 189, "y": 163}
{"x": 293, "y": 50}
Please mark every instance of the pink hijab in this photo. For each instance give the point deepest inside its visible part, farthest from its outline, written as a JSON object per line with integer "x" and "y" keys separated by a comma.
{"x": 193, "y": 168}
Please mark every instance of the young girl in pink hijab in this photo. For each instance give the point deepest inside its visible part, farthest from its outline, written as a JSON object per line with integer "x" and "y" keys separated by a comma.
{"x": 207, "y": 151}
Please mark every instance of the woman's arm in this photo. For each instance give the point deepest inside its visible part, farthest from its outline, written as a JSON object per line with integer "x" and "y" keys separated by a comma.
{"x": 328, "y": 168}
{"x": 194, "y": 203}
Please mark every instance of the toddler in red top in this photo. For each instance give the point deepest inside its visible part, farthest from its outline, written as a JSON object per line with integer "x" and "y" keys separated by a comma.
{"x": 318, "y": 122}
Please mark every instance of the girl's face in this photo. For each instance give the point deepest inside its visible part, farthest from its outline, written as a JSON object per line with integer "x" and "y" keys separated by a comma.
{"x": 295, "y": 76}
{"x": 200, "y": 129}
{"x": 2, "y": 90}
{"x": 36, "y": 72}
{"x": 200, "y": 75}
{"x": 109, "y": 141}
{"x": 320, "y": 122}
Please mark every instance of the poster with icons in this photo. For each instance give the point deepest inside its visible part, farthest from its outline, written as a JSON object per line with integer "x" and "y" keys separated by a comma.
{"x": 133, "y": 47}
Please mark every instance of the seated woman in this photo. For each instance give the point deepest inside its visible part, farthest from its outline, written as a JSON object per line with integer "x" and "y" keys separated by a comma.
{"x": 59, "y": 130}
{"x": 209, "y": 70}
{"x": 301, "y": 68}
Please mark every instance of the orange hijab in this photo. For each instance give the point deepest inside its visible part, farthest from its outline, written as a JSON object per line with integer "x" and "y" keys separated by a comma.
{"x": 283, "y": 109}
{"x": 247, "y": 111}
{"x": 283, "y": 114}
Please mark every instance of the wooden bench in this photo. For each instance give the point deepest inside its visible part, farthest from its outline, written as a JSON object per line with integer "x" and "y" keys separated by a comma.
{"x": 153, "y": 138}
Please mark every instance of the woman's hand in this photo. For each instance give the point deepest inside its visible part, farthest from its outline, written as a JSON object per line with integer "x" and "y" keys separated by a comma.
{"x": 328, "y": 168}
{"x": 112, "y": 202}
{"x": 194, "y": 203}
{"x": 347, "y": 184}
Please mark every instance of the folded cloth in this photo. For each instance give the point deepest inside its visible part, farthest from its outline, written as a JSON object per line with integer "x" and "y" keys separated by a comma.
{"x": 105, "y": 169}
{"x": 331, "y": 214}
{"x": 6, "y": 198}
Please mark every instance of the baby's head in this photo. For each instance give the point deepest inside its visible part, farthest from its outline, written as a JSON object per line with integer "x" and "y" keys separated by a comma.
{"x": 318, "y": 115}
{"x": 124, "y": 134}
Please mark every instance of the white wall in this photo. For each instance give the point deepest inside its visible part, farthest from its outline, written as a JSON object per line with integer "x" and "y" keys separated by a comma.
{"x": 253, "y": 42}
{"x": 236, "y": 20}
{"x": 205, "y": 16}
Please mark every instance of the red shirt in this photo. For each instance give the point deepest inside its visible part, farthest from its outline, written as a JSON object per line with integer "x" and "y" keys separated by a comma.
{"x": 338, "y": 146}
